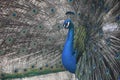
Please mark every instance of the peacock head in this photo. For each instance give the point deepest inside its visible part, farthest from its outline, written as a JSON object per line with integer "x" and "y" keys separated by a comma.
{"x": 68, "y": 24}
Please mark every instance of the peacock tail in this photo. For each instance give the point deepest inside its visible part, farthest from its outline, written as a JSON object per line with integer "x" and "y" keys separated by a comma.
{"x": 32, "y": 37}
{"x": 97, "y": 39}
{"x": 79, "y": 40}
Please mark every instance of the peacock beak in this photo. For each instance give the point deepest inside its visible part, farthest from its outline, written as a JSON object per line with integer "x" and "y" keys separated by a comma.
{"x": 64, "y": 26}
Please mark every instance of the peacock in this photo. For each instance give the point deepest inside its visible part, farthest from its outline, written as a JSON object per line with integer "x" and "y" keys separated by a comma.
{"x": 46, "y": 36}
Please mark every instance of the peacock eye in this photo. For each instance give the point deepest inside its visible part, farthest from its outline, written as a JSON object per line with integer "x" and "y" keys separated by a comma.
{"x": 67, "y": 25}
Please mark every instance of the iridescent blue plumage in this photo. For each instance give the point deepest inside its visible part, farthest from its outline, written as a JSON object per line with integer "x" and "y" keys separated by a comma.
{"x": 31, "y": 38}
{"x": 68, "y": 55}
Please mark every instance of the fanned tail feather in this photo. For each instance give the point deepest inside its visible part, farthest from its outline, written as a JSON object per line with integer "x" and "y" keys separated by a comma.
{"x": 100, "y": 58}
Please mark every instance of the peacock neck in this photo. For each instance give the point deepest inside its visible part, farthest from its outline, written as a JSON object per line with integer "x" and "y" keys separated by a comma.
{"x": 69, "y": 41}
{"x": 68, "y": 58}
{"x": 70, "y": 35}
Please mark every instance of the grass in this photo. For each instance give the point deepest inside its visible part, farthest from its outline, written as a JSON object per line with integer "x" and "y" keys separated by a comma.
{"x": 29, "y": 73}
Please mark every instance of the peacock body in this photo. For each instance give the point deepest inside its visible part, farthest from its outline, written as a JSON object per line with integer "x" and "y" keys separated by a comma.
{"x": 32, "y": 38}
{"x": 68, "y": 55}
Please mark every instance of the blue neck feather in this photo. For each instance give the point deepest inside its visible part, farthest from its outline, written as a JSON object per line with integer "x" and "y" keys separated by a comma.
{"x": 69, "y": 41}
{"x": 68, "y": 59}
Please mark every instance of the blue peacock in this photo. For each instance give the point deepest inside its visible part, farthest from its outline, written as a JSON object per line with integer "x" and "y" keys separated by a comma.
{"x": 68, "y": 55}
{"x": 47, "y": 36}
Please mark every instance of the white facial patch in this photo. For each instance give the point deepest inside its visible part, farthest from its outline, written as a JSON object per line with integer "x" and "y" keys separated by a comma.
{"x": 68, "y": 24}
